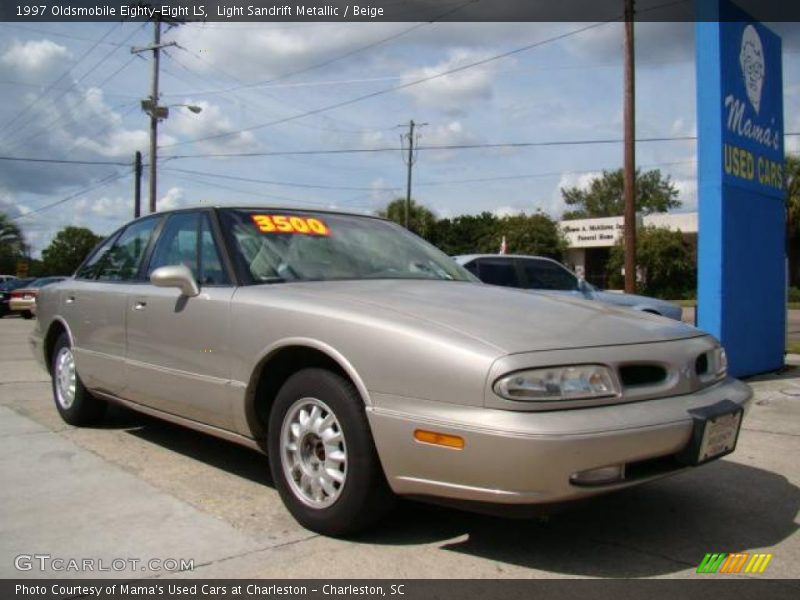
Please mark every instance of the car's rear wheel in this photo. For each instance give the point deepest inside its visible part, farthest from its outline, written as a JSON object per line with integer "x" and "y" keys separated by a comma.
{"x": 74, "y": 403}
{"x": 322, "y": 457}
{"x": 26, "y": 314}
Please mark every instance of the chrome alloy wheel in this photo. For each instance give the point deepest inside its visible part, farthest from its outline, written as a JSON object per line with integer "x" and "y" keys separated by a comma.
{"x": 313, "y": 453}
{"x": 65, "y": 377}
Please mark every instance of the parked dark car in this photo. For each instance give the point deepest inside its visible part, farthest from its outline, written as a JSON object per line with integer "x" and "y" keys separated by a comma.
{"x": 6, "y": 288}
{"x": 23, "y": 299}
{"x": 551, "y": 277}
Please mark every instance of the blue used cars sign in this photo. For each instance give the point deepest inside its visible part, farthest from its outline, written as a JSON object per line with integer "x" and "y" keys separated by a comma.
{"x": 752, "y": 97}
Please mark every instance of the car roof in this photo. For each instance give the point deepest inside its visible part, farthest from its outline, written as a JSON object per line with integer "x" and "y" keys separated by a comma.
{"x": 465, "y": 258}
{"x": 260, "y": 207}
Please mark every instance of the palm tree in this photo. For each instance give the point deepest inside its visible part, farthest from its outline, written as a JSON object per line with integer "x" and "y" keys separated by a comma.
{"x": 12, "y": 243}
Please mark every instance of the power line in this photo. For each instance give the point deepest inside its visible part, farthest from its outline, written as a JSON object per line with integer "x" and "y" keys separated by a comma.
{"x": 545, "y": 174}
{"x": 45, "y": 128}
{"x": 339, "y": 57}
{"x": 371, "y": 150}
{"x": 394, "y": 88}
{"x": 59, "y": 34}
{"x": 100, "y": 184}
{"x": 55, "y": 82}
{"x": 281, "y": 183}
{"x": 430, "y": 147}
{"x": 302, "y": 202}
{"x": 63, "y": 161}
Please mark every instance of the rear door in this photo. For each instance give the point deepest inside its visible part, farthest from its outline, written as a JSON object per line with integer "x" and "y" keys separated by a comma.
{"x": 94, "y": 305}
{"x": 178, "y": 354}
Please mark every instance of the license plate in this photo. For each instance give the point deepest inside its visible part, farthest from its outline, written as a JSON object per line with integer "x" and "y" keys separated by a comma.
{"x": 719, "y": 437}
{"x": 714, "y": 434}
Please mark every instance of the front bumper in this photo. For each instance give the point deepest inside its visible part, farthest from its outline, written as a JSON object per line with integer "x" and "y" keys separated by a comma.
{"x": 528, "y": 457}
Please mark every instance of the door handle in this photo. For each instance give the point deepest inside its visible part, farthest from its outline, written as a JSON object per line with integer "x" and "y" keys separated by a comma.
{"x": 69, "y": 300}
{"x": 140, "y": 305}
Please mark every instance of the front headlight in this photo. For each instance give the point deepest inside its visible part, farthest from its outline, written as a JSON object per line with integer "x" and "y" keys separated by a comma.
{"x": 577, "y": 382}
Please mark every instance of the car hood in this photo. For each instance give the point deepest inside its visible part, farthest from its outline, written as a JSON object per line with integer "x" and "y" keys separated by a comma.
{"x": 629, "y": 299}
{"x": 508, "y": 319}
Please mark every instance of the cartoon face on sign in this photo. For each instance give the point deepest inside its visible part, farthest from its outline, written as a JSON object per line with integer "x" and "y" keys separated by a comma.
{"x": 751, "y": 59}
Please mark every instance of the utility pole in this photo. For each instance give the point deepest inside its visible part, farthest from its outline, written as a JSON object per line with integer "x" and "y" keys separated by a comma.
{"x": 629, "y": 119}
{"x": 410, "y": 164}
{"x": 137, "y": 185}
{"x": 151, "y": 107}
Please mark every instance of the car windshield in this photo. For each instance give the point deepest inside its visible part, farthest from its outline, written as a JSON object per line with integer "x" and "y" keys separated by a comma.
{"x": 273, "y": 246}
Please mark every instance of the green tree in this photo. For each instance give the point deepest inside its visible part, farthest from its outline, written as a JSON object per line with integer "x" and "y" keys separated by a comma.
{"x": 604, "y": 197}
{"x": 665, "y": 260}
{"x": 530, "y": 234}
{"x": 421, "y": 219}
{"x": 466, "y": 234}
{"x": 793, "y": 216}
{"x": 12, "y": 244}
{"x": 68, "y": 249}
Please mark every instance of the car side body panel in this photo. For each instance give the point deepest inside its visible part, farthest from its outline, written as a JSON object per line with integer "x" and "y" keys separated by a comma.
{"x": 177, "y": 357}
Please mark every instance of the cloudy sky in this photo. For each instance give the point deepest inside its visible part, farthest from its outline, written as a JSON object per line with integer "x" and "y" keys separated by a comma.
{"x": 72, "y": 91}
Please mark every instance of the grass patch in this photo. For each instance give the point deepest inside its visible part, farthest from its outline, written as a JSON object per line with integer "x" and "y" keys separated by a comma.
{"x": 793, "y": 346}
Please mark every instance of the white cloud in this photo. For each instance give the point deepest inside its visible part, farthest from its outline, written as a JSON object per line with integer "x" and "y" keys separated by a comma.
{"x": 507, "y": 211}
{"x": 210, "y": 121}
{"x": 450, "y": 134}
{"x": 35, "y": 60}
{"x": 687, "y": 193}
{"x": 555, "y": 206}
{"x": 174, "y": 198}
{"x": 452, "y": 93}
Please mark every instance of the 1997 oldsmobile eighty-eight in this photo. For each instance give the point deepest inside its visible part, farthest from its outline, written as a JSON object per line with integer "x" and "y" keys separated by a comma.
{"x": 367, "y": 364}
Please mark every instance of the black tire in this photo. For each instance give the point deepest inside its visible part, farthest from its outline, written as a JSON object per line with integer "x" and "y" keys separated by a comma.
{"x": 364, "y": 496}
{"x": 27, "y": 315}
{"x": 84, "y": 409}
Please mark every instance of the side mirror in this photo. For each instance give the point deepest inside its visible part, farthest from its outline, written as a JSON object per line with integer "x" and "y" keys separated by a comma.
{"x": 583, "y": 286}
{"x": 177, "y": 276}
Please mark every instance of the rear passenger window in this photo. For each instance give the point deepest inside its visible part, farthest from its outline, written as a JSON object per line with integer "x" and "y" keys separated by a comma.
{"x": 88, "y": 270}
{"x": 122, "y": 262}
{"x": 498, "y": 272}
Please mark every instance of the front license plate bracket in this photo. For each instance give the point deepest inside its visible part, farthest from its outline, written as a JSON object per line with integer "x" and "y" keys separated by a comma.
{"x": 715, "y": 431}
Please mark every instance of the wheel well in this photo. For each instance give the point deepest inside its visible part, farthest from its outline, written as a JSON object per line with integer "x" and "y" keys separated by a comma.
{"x": 272, "y": 373}
{"x": 55, "y": 331}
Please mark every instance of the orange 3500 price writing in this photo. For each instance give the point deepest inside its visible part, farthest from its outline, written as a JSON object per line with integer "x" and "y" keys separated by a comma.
{"x": 290, "y": 224}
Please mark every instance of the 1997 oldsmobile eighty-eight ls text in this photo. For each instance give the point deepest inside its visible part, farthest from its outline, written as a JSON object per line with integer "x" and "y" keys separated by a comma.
{"x": 367, "y": 364}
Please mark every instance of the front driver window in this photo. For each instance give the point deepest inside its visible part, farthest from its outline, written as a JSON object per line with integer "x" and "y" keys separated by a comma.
{"x": 546, "y": 275}
{"x": 179, "y": 245}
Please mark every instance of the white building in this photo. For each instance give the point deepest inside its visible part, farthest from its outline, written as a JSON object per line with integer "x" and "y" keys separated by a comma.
{"x": 589, "y": 241}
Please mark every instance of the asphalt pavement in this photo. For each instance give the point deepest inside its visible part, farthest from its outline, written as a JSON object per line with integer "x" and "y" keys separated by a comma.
{"x": 135, "y": 489}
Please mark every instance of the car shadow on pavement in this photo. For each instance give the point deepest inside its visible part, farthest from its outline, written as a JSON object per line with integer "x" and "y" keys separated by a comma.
{"x": 212, "y": 451}
{"x": 659, "y": 528}
{"x": 656, "y": 529}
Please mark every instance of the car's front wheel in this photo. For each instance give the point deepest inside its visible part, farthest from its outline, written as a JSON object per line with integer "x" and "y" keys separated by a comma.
{"x": 73, "y": 401}
{"x": 322, "y": 457}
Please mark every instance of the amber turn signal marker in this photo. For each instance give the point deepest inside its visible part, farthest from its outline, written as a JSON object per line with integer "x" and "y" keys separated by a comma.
{"x": 439, "y": 439}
